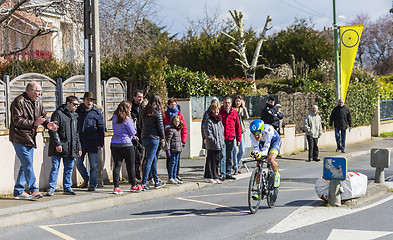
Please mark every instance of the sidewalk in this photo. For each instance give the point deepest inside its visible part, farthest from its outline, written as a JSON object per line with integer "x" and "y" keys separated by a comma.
{"x": 15, "y": 212}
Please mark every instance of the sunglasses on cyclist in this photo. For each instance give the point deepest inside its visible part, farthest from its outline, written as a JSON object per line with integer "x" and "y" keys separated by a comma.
{"x": 257, "y": 132}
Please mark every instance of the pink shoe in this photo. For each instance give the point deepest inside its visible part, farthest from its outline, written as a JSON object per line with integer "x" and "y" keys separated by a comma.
{"x": 117, "y": 191}
{"x": 137, "y": 188}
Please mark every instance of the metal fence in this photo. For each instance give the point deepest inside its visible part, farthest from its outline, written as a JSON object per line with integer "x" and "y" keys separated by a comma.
{"x": 386, "y": 109}
{"x": 294, "y": 106}
{"x": 54, "y": 93}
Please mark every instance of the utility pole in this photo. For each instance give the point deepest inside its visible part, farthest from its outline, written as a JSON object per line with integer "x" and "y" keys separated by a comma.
{"x": 92, "y": 49}
{"x": 336, "y": 54}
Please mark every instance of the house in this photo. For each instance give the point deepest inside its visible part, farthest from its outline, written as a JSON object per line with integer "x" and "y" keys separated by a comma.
{"x": 64, "y": 42}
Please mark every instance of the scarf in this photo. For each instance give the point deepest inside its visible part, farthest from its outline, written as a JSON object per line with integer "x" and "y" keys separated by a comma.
{"x": 172, "y": 111}
{"x": 216, "y": 118}
{"x": 87, "y": 109}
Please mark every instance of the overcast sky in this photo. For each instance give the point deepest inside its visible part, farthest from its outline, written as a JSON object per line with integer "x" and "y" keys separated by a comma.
{"x": 174, "y": 13}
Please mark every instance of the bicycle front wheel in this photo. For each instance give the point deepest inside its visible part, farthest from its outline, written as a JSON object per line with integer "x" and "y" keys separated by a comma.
{"x": 273, "y": 192}
{"x": 254, "y": 191}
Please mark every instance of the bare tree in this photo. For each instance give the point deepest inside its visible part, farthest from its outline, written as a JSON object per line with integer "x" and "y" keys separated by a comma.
{"x": 239, "y": 45}
{"x": 15, "y": 17}
{"x": 126, "y": 26}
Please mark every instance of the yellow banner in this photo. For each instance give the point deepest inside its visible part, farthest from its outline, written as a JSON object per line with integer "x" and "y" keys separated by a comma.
{"x": 349, "y": 38}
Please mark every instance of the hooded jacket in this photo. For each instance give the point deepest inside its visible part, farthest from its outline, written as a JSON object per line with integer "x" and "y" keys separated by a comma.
{"x": 91, "y": 129}
{"x": 231, "y": 123}
{"x": 66, "y": 135}
{"x": 270, "y": 116}
{"x": 167, "y": 121}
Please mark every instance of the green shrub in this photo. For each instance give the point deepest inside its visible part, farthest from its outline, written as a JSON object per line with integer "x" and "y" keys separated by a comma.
{"x": 50, "y": 67}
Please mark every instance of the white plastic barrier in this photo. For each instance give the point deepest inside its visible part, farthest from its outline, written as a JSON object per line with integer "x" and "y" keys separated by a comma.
{"x": 354, "y": 186}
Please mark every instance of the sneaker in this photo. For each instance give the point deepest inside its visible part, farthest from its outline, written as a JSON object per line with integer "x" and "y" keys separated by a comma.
{"x": 23, "y": 196}
{"x": 217, "y": 181}
{"x": 84, "y": 184}
{"x": 172, "y": 181}
{"x": 91, "y": 189}
{"x": 255, "y": 196}
{"x": 209, "y": 180}
{"x": 69, "y": 192}
{"x": 159, "y": 184}
{"x": 178, "y": 181}
{"x": 36, "y": 195}
{"x": 117, "y": 191}
{"x": 342, "y": 150}
{"x": 146, "y": 187}
{"x": 50, "y": 193}
{"x": 230, "y": 177}
{"x": 136, "y": 188}
{"x": 276, "y": 179}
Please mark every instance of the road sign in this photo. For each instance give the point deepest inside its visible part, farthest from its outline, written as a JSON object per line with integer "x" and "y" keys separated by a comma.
{"x": 334, "y": 168}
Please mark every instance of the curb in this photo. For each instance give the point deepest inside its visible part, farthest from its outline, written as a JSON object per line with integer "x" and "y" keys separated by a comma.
{"x": 41, "y": 214}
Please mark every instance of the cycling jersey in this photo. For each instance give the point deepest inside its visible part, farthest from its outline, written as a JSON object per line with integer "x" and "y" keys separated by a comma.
{"x": 270, "y": 141}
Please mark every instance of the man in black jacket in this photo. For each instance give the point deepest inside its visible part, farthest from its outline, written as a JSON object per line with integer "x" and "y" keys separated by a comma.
{"x": 91, "y": 129}
{"x": 341, "y": 117}
{"x": 136, "y": 109}
{"x": 269, "y": 114}
{"x": 64, "y": 143}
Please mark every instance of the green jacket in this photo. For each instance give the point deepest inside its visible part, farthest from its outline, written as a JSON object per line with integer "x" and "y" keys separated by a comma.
{"x": 313, "y": 125}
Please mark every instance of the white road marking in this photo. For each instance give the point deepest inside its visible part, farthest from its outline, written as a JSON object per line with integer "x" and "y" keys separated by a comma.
{"x": 308, "y": 215}
{"x": 338, "y": 234}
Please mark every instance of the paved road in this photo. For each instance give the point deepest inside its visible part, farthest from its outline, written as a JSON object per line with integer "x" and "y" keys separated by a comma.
{"x": 221, "y": 212}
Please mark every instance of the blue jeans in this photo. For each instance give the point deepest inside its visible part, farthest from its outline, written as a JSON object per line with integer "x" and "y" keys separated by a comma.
{"x": 93, "y": 168}
{"x": 26, "y": 171}
{"x": 226, "y": 161}
{"x": 151, "y": 146}
{"x": 238, "y": 155}
{"x": 173, "y": 164}
{"x": 68, "y": 163}
{"x": 340, "y": 138}
{"x": 222, "y": 163}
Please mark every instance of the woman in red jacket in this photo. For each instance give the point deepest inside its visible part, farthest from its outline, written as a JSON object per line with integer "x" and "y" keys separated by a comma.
{"x": 172, "y": 110}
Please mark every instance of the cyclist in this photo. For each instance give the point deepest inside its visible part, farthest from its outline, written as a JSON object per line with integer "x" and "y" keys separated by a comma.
{"x": 266, "y": 142}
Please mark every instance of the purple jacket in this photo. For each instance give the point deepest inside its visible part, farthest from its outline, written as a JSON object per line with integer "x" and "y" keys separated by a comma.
{"x": 124, "y": 132}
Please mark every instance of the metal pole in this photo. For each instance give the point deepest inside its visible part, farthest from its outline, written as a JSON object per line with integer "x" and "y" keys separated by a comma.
{"x": 334, "y": 198}
{"x": 336, "y": 54}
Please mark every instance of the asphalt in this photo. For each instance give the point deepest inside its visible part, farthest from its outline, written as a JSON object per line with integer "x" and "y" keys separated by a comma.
{"x": 16, "y": 212}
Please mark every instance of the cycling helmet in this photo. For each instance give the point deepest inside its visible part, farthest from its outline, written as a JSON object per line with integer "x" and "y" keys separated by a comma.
{"x": 257, "y": 126}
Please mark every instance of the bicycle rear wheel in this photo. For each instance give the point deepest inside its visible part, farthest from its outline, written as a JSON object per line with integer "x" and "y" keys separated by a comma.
{"x": 273, "y": 192}
{"x": 254, "y": 191}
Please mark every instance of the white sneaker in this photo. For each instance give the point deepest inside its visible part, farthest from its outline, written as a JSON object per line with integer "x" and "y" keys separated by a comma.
{"x": 172, "y": 181}
{"x": 209, "y": 180}
{"x": 217, "y": 181}
{"x": 178, "y": 181}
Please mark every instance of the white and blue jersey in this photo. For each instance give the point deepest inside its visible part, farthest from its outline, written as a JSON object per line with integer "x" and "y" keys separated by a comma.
{"x": 269, "y": 143}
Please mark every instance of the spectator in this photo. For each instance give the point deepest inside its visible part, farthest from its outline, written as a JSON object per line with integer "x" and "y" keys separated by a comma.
{"x": 215, "y": 142}
{"x": 173, "y": 110}
{"x": 313, "y": 128}
{"x": 91, "y": 129}
{"x": 280, "y": 115}
{"x": 205, "y": 117}
{"x": 240, "y": 106}
{"x": 232, "y": 134}
{"x": 341, "y": 117}
{"x": 174, "y": 140}
{"x": 136, "y": 109}
{"x": 152, "y": 132}
{"x": 124, "y": 130}
{"x": 269, "y": 114}
{"x": 27, "y": 113}
{"x": 64, "y": 143}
